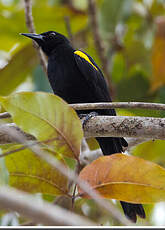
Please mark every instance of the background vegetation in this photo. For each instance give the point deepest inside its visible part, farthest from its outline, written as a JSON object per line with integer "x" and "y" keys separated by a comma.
{"x": 132, "y": 37}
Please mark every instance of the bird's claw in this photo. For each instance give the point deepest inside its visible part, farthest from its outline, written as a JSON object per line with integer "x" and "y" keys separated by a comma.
{"x": 87, "y": 117}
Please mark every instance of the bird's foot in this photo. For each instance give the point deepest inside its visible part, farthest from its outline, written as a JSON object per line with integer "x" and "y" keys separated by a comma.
{"x": 87, "y": 117}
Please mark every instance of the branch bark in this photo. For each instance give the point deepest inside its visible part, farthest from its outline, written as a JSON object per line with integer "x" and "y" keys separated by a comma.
{"x": 6, "y": 138}
{"x": 5, "y": 115}
{"x": 87, "y": 155}
{"x": 107, "y": 126}
{"x": 124, "y": 126}
{"x": 37, "y": 211}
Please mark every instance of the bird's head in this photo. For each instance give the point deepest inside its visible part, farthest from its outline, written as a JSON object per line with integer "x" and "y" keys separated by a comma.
{"x": 48, "y": 41}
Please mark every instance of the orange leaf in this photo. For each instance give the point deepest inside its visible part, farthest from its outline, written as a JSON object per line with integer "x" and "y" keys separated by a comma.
{"x": 125, "y": 178}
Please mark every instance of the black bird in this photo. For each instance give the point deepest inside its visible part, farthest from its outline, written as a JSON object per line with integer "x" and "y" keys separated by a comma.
{"x": 75, "y": 77}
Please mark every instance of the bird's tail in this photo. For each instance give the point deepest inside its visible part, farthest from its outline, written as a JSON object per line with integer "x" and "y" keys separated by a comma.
{"x": 111, "y": 145}
{"x": 132, "y": 210}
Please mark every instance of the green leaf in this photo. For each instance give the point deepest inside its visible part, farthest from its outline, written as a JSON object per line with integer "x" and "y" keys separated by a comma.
{"x": 16, "y": 71}
{"x": 118, "y": 67}
{"x": 133, "y": 88}
{"x": 92, "y": 143}
{"x": 47, "y": 117}
{"x": 126, "y": 178}
{"x": 152, "y": 151}
{"x": 135, "y": 53}
{"x": 31, "y": 174}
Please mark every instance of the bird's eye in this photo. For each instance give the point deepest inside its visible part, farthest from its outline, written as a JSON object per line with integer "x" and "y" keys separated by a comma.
{"x": 52, "y": 35}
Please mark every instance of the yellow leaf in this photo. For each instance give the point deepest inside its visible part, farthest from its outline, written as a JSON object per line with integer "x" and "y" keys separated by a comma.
{"x": 92, "y": 143}
{"x": 47, "y": 117}
{"x": 31, "y": 174}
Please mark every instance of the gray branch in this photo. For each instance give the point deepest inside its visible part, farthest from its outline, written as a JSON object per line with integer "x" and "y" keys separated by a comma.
{"x": 39, "y": 211}
{"x": 121, "y": 105}
{"x": 124, "y": 126}
{"x": 109, "y": 126}
{"x": 6, "y": 138}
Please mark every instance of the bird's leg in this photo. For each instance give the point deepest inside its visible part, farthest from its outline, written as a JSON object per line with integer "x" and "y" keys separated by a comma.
{"x": 82, "y": 115}
{"x": 87, "y": 117}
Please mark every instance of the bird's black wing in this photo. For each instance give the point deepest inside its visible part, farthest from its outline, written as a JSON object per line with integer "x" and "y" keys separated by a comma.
{"x": 93, "y": 76}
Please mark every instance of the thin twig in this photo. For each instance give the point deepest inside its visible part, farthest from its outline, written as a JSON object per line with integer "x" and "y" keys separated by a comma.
{"x": 68, "y": 28}
{"x": 29, "y": 17}
{"x": 98, "y": 42}
{"x": 121, "y": 105}
{"x": 109, "y": 105}
{"x": 29, "y": 144}
{"x": 74, "y": 195}
{"x": 31, "y": 28}
{"x": 12, "y": 151}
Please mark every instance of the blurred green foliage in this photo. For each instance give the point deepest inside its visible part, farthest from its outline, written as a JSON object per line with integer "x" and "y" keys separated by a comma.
{"x": 128, "y": 32}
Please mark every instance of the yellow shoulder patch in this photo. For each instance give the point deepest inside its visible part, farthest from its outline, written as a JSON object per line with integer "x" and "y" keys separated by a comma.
{"x": 82, "y": 55}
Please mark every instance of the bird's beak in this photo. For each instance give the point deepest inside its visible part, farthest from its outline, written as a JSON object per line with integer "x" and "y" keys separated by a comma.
{"x": 36, "y": 37}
